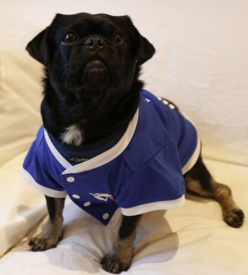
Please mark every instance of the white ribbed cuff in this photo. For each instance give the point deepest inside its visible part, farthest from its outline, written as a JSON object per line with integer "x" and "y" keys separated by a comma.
{"x": 149, "y": 207}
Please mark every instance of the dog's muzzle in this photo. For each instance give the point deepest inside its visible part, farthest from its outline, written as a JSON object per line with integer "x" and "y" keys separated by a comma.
{"x": 95, "y": 70}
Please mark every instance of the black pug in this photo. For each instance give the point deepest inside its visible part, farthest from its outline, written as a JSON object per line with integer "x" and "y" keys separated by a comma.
{"x": 105, "y": 141}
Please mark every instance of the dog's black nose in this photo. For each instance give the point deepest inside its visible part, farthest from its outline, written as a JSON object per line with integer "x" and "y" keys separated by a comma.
{"x": 95, "y": 43}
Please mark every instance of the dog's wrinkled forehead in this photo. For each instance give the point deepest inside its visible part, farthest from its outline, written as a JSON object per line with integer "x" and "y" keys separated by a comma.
{"x": 85, "y": 24}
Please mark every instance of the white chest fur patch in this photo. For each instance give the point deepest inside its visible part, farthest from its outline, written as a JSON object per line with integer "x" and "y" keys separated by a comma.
{"x": 73, "y": 136}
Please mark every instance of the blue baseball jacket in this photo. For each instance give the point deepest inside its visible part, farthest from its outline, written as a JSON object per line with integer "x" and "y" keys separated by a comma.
{"x": 143, "y": 172}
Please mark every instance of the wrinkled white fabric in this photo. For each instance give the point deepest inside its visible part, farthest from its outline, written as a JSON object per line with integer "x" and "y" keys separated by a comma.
{"x": 190, "y": 240}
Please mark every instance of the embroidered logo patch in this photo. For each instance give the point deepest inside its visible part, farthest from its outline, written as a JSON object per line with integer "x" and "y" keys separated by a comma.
{"x": 77, "y": 159}
{"x": 102, "y": 197}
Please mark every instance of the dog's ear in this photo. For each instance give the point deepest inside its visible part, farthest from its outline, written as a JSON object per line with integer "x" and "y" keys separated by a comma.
{"x": 37, "y": 47}
{"x": 145, "y": 50}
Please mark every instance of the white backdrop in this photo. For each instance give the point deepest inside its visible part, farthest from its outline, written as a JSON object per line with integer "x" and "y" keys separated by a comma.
{"x": 201, "y": 63}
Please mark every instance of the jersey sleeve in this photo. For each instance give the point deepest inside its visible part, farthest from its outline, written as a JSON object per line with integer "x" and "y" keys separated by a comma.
{"x": 157, "y": 185}
{"x": 36, "y": 173}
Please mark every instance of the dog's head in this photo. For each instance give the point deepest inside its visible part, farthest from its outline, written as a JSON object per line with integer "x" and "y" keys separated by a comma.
{"x": 88, "y": 54}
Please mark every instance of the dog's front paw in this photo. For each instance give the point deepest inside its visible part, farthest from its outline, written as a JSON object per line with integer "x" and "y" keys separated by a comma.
{"x": 234, "y": 218}
{"x": 115, "y": 263}
{"x": 42, "y": 242}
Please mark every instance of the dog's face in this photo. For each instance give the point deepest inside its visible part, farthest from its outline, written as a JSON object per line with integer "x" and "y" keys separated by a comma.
{"x": 90, "y": 54}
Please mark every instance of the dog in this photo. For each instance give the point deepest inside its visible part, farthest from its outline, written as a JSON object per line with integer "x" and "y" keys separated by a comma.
{"x": 101, "y": 129}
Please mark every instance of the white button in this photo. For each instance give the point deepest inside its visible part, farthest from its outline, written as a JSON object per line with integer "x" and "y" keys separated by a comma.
{"x": 70, "y": 179}
{"x": 165, "y": 102}
{"x": 75, "y": 196}
{"x": 105, "y": 216}
{"x": 171, "y": 106}
{"x": 87, "y": 203}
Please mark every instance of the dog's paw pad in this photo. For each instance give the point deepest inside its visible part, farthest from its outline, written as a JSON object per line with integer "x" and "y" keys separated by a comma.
{"x": 235, "y": 218}
{"x": 41, "y": 244}
{"x": 115, "y": 263}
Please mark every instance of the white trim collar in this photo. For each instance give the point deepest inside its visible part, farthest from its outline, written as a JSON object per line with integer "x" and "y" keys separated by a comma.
{"x": 99, "y": 160}
{"x": 55, "y": 152}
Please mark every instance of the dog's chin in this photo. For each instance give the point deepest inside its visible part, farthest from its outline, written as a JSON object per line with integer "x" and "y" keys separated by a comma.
{"x": 95, "y": 75}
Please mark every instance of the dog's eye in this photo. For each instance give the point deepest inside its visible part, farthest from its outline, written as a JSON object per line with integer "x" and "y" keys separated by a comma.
{"x": 118, "y": 38}
{"x": 68, "y": 39}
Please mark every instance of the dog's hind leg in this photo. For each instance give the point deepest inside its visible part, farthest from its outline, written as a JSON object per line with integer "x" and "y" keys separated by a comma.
{"x": 200, "y": 182}
{"x": 52, "y": 231}
{"x": 119, "y": 259}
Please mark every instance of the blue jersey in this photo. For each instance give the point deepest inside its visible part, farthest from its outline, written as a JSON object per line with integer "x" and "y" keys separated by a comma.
{"x": 142, "y": 172}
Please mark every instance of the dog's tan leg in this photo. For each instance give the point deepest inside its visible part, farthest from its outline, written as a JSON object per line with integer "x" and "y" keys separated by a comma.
{"x": 199, "y": 181}
{"x": 119, "y": 259}
{"x": 52, "y": 231}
